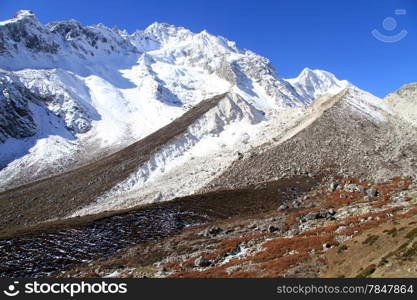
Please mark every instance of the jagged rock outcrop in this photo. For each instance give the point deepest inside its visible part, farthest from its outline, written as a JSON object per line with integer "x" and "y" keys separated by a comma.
{"x": 16, "y": 120}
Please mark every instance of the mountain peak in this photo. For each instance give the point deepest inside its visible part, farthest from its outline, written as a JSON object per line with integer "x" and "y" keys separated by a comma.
{"x": 306, "y": 71}
{"x": 313, "y": 83}
{"x": 158, "y": 27}
{"x": 323, "y": 75}
{"x": 21, "y": 15}
{"x": 24, "y": 14}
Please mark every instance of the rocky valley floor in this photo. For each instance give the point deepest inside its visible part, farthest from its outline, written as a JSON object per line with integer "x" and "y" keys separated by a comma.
{"x": 335, "y": 227}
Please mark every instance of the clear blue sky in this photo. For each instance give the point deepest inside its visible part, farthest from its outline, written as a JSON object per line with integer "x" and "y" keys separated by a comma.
{"x": 330, "y": 35}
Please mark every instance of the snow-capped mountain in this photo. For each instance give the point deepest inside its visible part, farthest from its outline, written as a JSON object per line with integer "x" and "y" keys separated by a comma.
{"x": 311, "y": 84}
{"x": 72, "y": 94}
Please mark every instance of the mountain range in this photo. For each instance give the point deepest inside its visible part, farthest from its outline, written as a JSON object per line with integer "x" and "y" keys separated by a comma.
{"x": 77, "y": 93}
{"x": 95, "y": 119}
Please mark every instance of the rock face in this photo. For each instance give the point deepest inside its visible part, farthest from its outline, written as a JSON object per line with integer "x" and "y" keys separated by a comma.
{"x": 24, "y": 35}
{"x": 16, "y": 120}
{"x": 25, "y": 94}
{"x": 19, "y": 31}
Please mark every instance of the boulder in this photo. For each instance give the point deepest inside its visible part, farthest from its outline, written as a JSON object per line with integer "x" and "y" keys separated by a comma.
{"x": 202, "y": 262}
{"x": 354, "y": 188}
{"x": 332, "y": 212}
{"x": 372, "y": 192}
{"x": 323, "y": 213}
{"x": 283, "y": 207}
{"x": 310, "y": 216}
{"x": 332, "y": 186}
{"x": 213, "y": 231}
{"x": 326, "y": 246}
{"x": 272, "y": 228}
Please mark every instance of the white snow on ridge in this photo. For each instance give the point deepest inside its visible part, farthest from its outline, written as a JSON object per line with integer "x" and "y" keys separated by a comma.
{"x": 19, "y": 16}
{"x": 367, "y": 104}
